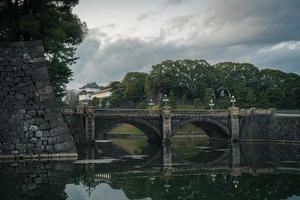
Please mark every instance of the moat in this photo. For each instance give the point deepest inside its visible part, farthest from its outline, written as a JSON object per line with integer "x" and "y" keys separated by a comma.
{"x": 133, "y": 169}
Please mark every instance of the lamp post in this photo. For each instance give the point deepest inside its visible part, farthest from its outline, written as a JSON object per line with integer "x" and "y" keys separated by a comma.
{"x": 107, "y": 104}
{"x": 151, "y": 103}
{"x": 100, "y": 105}
{"x": 165, "y": 100}
{"x": 211, "y": 104}
{"x": 235, "y": 182}
{"x": 233, "y": 101}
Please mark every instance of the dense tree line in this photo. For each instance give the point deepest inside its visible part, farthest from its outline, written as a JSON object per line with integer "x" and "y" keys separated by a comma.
{"x": 193, "y": 83}
{"x": 51, "y": 21}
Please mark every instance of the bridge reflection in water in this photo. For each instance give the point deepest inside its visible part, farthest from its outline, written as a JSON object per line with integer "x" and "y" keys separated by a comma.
{"x": 186, "y": 170}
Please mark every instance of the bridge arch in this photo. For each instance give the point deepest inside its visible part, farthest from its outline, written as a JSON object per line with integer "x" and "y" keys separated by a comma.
{"x": 151, "y": 131}
{"x": 211, "y": 127}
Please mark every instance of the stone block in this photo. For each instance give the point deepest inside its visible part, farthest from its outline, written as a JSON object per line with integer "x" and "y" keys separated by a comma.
{"x": 60, "y": 147}
{"x": 14, "y": 152}
{"x": 33, "y": 140}
{"x": 49, "y": 148}
{"x": 33, "y": 128}
{"x": 31, "y": 113}
{"x": 41, "y": 112}
{"x": 51, "y": 140}
{"x": 21, "y": 148}
{"x": 39, "y": 134}
{"x": 38, "y": 144}
{"x": 19, "y": 97}
{"x": 44, "y": 126}
{"x": 29, "y": 134}
{"x": 38, "y": 121}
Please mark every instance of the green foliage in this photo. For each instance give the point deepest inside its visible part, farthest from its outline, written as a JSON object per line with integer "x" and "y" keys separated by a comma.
{"x": 197, "y": 103}
{"x": 133, "y": 86}
{"x": 184, "y": 100}
{"x": 185, "y": 80}
{"x": 172, "y": 98}
{"x": 117, "y": 97}
{"x": 95, "y": 102}
{"x": 222, "y": 103}
{"x": 190, "y": 77}
{"x": 142, "y": 105}
{"x": 52, "y": 22}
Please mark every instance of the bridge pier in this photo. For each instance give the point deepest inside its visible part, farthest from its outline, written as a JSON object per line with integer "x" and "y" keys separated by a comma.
{"x": 167, "y": 159}
{"x": 90, "y": 125}
{"x": 167, "y": 124}
{"x": 234, "y": 123}
{"x": 236, "y": 159}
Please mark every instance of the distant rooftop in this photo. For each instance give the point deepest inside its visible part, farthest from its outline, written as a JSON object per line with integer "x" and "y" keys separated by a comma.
{"x": 90, "y": 85}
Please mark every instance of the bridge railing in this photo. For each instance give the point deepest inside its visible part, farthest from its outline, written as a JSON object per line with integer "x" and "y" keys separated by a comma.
{"x": 201, "y": 111}
{"x": 287, "y": 111}
{"x": 128, "y": 111}
{"x": 254, "y": 111}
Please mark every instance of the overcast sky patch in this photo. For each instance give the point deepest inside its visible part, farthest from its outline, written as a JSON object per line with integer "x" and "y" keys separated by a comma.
{"x": 265, "y": 33}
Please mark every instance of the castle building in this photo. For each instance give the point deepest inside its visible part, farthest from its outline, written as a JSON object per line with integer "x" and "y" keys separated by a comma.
{"x": 91, "y": 90}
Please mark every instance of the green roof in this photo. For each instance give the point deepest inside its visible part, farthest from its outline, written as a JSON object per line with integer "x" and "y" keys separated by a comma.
{"x": 90, "y": 85}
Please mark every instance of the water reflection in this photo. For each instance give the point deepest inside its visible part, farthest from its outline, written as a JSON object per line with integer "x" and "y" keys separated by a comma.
{"x": 189, "y": 169}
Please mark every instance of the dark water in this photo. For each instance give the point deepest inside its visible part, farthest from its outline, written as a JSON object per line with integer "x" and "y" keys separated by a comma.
{"x": 133, "y": 169}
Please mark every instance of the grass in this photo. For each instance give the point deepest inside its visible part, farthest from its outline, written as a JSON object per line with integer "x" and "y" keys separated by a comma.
{"x": 130, "y": 146}
{"x": 125, "y": 129}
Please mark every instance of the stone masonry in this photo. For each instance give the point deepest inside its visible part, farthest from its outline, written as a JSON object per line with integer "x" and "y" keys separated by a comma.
{"x": 161, "y": 125}
{"x": 30, "y": 124}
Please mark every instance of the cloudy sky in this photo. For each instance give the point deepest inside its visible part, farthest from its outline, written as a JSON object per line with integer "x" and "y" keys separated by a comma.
{"x": 132, "y": 35}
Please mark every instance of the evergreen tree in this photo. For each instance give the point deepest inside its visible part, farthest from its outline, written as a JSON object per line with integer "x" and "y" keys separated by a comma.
{"x": 172, "y": 99}
{"x": 51, "y": 21}
{"x": 197, "y": 103}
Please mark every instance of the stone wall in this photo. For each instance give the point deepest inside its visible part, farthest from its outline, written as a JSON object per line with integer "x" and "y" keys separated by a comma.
{"x": 30, "y": 123}
{"x": 76, "y": 126}
{"x": 34, "y": 180}
{"x": 269, "y": 128}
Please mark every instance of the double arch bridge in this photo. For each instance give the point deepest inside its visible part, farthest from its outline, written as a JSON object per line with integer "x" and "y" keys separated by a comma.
{"x": 159, "y": 125}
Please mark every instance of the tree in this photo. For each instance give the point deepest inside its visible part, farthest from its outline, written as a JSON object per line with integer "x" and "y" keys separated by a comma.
{"x": 197, "y": 103}
{"x": 184, "y": 100}
{"x": 95, "y": 102}
{"x": 172, "y": 99}
{"x": 142, "y": 105}
{"x": 275, "y": 97}
{"x": 51, "y": 21}
{"x": 71, "y": 98}
{"x": 189, "y": 77}
{"x": 134, "y": 85}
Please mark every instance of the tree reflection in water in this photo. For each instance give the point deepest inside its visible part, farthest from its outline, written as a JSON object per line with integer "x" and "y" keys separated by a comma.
{"x": 209, "y": 171}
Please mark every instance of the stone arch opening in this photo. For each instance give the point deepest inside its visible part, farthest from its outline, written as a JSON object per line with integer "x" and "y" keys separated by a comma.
{"x": 212, "y": 128}
{"x": 152, "y": 132}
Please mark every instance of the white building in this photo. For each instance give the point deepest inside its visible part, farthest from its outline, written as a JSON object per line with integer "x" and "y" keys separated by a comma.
{"x": 92, "y": 90}
{"x": 102, "y": 94}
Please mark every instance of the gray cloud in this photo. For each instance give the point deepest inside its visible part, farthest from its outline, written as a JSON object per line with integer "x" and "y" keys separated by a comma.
{"x": 174, "y": 2}
{"x": 167, "y": 4}
{"x": 264, "y": 33}
{"x": 231, "y": 22}
{"x": 144, "y": 16}
{"x": 113, "y": 61}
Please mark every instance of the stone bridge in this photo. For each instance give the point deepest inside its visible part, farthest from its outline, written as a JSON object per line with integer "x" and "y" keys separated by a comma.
{"x": 158, "y": 125}
{"x": 161, "y": 125}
